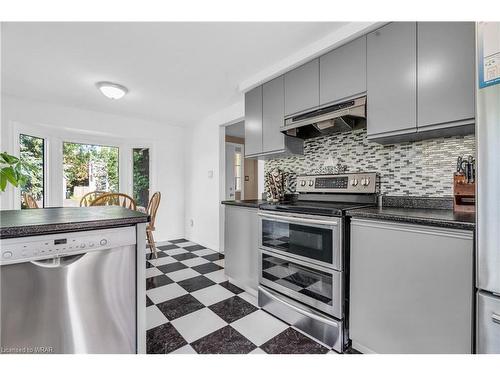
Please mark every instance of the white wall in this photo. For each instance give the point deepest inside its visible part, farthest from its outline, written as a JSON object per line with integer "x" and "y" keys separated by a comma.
{"x": 167, "y": 142}
{"x": 204, "y": 194}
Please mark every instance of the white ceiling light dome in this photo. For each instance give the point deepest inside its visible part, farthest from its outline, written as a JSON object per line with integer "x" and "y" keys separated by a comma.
{"x": 112, "y": 90}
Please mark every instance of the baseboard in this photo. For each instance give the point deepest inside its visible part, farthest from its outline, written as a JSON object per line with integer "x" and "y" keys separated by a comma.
{"x": 361, "y": 348}
{"x": 246, "y": 288}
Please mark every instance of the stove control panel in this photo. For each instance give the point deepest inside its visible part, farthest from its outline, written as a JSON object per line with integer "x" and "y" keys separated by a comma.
{"x": 25, "y": 249}
{"x": 338, "y": 183}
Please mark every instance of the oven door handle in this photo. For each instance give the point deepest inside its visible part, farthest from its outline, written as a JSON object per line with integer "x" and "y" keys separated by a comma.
{"x": 287, "y": 257}
{"x": 303, "y": 310}
{"x": 298, "y": 220}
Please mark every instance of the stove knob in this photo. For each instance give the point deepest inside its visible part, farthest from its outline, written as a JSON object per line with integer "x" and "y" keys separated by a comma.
{"x": 303, "y": 183}
{"x": 354, "y": 182}
{"x": 103, "y": 242}
{"x": 7, "y": 254}
{"x": 311, "y": 182}
{"x": 365, "y": 181}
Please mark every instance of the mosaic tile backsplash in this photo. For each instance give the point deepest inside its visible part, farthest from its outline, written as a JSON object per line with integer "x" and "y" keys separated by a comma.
{"x": 421, "y": 168}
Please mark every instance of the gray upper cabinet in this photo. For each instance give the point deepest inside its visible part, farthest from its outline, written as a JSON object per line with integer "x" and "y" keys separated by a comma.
{"x": 253, "y": 121}
{"x": 273, "y": 111}
{"x": 343, "y": 72}
{"x": 302, "y": 88}
{"x": 445, "y": 73}
{"x": 264, "y": 115}
{"x": 391, "y": 80}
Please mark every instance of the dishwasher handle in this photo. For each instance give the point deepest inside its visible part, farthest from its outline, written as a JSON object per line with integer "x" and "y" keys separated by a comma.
{"x": 58, "y": 262}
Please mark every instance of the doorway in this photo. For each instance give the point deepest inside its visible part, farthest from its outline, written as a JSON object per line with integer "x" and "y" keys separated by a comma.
{"x": 234, "y": 170}
{"x": 241, "y": 180}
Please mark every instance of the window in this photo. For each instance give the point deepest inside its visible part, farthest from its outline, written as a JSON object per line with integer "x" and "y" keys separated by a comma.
{"x": 140, "y": 175}
{"x": 237, "y": 170}
{"x": 87, "y": 168}
{"x": 32, "y": 152}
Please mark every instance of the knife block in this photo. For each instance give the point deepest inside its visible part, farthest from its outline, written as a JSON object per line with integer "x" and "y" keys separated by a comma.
{"x": 464, "y": 195}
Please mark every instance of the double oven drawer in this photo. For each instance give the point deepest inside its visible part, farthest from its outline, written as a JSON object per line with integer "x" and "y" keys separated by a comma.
{"x": 311, "y": 239}
{"x": 300, "y": 257}
{"x": 316, "y": 286}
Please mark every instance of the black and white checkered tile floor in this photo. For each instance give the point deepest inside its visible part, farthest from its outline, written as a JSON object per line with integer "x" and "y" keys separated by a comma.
{"x": 193, "y": 308}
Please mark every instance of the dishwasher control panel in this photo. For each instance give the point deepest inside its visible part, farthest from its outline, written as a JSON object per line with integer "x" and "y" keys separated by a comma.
{"x": 24, "y": 249}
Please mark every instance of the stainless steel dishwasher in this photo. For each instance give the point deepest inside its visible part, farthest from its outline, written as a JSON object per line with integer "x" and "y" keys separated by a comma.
{"x": 69, "y": 293}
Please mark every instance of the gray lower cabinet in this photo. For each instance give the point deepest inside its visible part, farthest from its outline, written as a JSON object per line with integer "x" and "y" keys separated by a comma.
{"x": 302, "y": 88}
{"x": 411, "y": 288}
{"x": 273, "y": 113}
{"x": 241, "y": 233}
{"x": 392, "y": 80}
{"x": 253, "y": 121}
{"x": 446, "y": 58}
{"x": 342, "y": 72}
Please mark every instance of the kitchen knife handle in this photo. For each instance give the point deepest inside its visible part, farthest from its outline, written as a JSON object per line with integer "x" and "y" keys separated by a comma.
{"x": 459, "y": 164}
{"x": 473, "y": 170}
{"x": 495, "y": 318}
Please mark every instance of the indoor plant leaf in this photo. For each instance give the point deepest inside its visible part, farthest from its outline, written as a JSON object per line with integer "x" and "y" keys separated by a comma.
{"x": 3, "y": 182}
{"x": 10, "y": 174}
{"x": 9, "y": 159}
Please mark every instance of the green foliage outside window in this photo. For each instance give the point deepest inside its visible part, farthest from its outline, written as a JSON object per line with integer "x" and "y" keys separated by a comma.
{"x": 31, "y": 153}
{"x": 81, "y": 159}
{"x": 141, "y": 176}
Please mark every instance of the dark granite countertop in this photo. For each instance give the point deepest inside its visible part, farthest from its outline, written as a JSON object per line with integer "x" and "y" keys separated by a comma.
{"x": 444, "y": 218}
{"x": 251, "y": 203}
{"x": 34, "y": 222}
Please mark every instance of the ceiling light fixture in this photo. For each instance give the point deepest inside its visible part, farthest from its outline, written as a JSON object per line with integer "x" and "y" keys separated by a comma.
{"x": 112, "y": 90}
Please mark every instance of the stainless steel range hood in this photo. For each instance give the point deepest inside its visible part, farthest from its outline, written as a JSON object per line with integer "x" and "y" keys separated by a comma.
{"x": 331, "y": 119}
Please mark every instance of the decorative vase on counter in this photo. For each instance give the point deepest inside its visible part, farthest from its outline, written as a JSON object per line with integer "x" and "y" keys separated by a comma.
{"x": 275, "y": 185}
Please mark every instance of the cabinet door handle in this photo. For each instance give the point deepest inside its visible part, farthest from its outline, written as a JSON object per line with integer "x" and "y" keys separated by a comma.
{"x": 495, "y": 318}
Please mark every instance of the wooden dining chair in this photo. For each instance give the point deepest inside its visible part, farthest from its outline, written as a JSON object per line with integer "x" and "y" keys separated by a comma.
{"x": 88, "y": 198}
{"x": 30, "y": 201}
{"x": 152, "y": 209}
{"x": 115, "y": 199}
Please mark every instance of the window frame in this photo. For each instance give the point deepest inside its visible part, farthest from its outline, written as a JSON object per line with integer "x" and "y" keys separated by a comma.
{"x": 152, "y": 165}
{"x": 54, "y": 136}
{"x": 32, "y": 132}
{"x": 44, "y": 172}
{"x": 100, "y": 144}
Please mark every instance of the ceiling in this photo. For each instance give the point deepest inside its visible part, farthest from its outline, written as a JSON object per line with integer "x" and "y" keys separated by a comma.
{"x": 177, "y": 73}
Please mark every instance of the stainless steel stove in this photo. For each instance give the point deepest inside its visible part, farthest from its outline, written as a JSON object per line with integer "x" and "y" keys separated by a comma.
{"x": 303, "y": 260}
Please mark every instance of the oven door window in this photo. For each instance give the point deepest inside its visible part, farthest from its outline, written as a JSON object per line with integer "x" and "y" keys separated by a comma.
{"x": 314, "y": 242}
{"x": 311, "y": 286}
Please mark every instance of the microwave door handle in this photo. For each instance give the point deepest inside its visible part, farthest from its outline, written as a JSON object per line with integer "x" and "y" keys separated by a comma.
{"x": 302, "y": 220}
